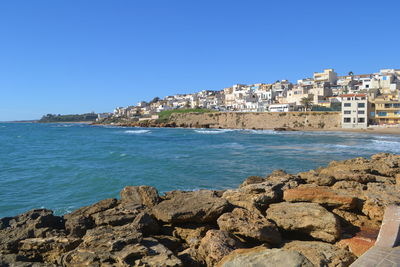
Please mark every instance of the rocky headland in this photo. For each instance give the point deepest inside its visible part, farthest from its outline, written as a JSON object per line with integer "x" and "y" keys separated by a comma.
{"x": 323, "y": 217}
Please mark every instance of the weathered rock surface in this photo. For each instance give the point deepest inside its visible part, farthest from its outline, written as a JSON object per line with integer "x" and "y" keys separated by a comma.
{"x": 361, "y": 242}
{"x": 215, "y": 245}
{"x": 307, "y": 218}
{"x": 139, "y": 195}
{"x": 39, "y": 223}
{"x": 198, "y": 206}
{"x": 256, "y": 194}
{"x": 322, "y": 195}
{"x": 322, "y": 254}
{"x": 191, "y": 233}
{"x": 249, "y": 225}
{"x": 264, "y": 257}
{"x": 345, "y": 200}
{"x": 79, "y": 221}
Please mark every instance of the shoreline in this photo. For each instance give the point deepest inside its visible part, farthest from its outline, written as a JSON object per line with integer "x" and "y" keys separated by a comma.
{"x": 370, "y": 130}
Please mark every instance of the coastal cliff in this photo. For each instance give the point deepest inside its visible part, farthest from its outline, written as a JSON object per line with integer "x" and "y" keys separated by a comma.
{"x": 323, "y": 217}
{"x": 262, "y": 120}
{"x": 240, "y": 120}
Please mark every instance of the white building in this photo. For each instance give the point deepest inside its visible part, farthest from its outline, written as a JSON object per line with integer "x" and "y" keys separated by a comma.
{"x": 354, "y": 111}
{"x": 281, "y": 107}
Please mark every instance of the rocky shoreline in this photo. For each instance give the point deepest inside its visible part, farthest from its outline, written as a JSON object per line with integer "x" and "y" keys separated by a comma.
{"x": 323, "y": 217}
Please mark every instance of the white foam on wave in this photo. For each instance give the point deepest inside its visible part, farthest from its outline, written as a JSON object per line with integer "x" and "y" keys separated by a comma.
{"x": 137, "y": 131}
{"x": 384, "y": 145}
{"x": 259, "y": 132}
{"x": 215, "y": 131}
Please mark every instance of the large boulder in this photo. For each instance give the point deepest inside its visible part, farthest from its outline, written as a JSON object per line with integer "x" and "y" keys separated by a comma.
{"x": 307, "y": 218}
{"x": 256, "y": 194}
{"x": 80, "y": 220}
{"x": 197, "y": 206}
{"x": 215, "y": 245}
{"x": 264, "y": 257}
{"x": 250, "y": 226}
{"x": 322, "y": 254}
{"x": 377, "y": 197}
{"x": 139, "y": 195}
{"x": 322, "y": 195}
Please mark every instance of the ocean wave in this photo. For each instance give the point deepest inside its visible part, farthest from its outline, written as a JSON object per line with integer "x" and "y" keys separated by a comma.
{"x": 137, "y": 131}
{"x": 233, "y": 145}
{"x": 259, "y": 132}
{"x": 387, "y": 146}
{"x": 216, "y": 131}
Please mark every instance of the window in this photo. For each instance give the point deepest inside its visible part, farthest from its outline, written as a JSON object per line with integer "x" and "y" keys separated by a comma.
{"x": 361, "y": 112}
{"x": 372, "y": 114}
{"x": 347, "y": 104}
{"x": 397, "y": 112}
{"x": 361, "y": 120}
{"x": 361, "y": 105}
{"x": 347, "y": 112}
{"x": 346, "y": 120}
{"x": 382, "y": 113}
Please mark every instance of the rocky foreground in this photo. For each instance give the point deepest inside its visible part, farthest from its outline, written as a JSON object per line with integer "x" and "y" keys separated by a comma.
{"x": 324, "y": 217}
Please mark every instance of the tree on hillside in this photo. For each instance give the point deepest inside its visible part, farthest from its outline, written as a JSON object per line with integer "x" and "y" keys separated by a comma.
{"x": 351, "y": 73}
{"x": 306, "y": 102}
{"x": 155, "y": 100}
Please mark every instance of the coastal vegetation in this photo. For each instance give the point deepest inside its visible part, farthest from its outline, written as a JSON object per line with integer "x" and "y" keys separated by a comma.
{"x": 87, "y": 117}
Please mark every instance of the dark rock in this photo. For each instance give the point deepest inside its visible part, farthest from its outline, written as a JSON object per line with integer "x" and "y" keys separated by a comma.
{"x": 35, "y": 223}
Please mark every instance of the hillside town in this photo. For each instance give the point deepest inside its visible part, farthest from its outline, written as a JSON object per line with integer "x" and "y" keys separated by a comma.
{"x": 363, "y": 99}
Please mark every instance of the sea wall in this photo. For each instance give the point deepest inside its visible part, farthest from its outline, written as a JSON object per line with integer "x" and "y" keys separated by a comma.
{"x": 259, "y": 120}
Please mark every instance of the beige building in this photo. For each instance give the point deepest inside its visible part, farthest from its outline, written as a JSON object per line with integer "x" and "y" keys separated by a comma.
{"x": 328, "y": 75}
{"x": 354, "y": 111}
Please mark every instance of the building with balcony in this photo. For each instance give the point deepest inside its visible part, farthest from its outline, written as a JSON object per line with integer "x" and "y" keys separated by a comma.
{"x": 386, "y": 112}
{"x": 354, "y": 111}
{"x": 327, "y": 76}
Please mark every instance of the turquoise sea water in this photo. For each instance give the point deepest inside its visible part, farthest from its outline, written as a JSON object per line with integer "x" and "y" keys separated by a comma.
{"x": 65, "y": 166}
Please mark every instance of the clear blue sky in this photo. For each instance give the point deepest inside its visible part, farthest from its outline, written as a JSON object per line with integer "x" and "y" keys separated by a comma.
{"x": 75, "y": 56}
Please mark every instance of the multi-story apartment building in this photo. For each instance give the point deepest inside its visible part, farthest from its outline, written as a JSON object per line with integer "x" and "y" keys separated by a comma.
{"x": 327, "y": 76}
{"x": 386, "y": 109}
{"x": 354, "y": 111}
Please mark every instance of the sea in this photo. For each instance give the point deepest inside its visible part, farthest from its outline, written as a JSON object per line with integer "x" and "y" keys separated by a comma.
{"x": 63, "y": 166}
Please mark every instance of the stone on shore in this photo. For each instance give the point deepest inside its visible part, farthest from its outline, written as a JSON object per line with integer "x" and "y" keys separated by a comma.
{"x": 191, "y": 233}
{"x": 307, "y": 218}
{"x": 322, "y": 195}
{"x": 361, "y": 242}
{"x": 80, "y": 220}
{"x": 38, "y": 223}
{"x": 249, "y": 225}
{"x": 197, "y": 206}
{"x": 322, "y": 254}
{"x": 139, "y": 195}
{"x": 264, "y": 257}
{"x": 215, "y": 245}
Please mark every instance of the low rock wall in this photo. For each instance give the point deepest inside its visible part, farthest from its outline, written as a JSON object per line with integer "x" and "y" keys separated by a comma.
{"x": 259, "y": 120}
